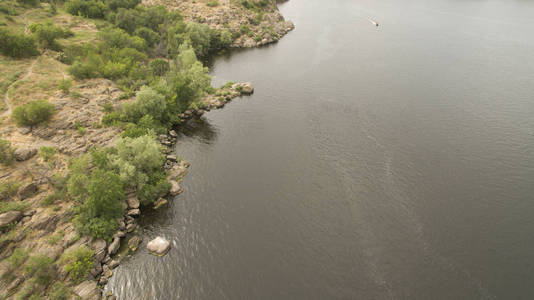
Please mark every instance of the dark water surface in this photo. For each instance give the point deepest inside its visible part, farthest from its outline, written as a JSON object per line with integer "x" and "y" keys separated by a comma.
{"x": 371, "y": 163}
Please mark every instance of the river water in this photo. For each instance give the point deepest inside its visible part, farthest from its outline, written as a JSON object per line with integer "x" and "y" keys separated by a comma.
{"x": 371, "y": 163}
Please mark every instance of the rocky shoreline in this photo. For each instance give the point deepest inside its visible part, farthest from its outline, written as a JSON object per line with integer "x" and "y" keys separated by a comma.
{"x": 46, "y": 229}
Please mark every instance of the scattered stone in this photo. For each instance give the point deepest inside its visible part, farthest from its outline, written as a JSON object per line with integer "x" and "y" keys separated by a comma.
{"x": 134, "y": 242}
{"x": 160, "y": 202}
{"x": 103, "y": 280}
{"x": 114, "y": 246}
{"x": 96, "y": 270}
{"x": 133, "y": 202}
{"x": 10, "y": 217}
{"x": 22, "y": 154}
{"x": 28, "y": 190}
{"x": 158, "y": 246}
{"x": 87, "y": 290}
{"x": 247, "y": 88}
{"x": 131, "y": 227}
{"x": 122, "y": 225}
{"x": 172, "y": 157}
{"x": 29, "y": 213}
{"x": 119, "y": 234}
{"x": 134, "y": 212}
{"x": 99, "y": 247}
{"x": 106, "y": 272}
{"x": 24, "y": 129}
{"x": 45, "y": 222}
{"x": 113, "y": 264}
{"x": 175, "y": 188}
{"x": 173, "y": 133}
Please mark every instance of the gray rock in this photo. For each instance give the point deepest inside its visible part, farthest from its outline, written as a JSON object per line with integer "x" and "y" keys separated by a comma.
{"x": 173, "y": 133}
{"x": 160, "y": 202}
{"x": 158, "y": 246}
{"x": 10, "y": 217}
{"x": 45, "y": 222}
{"x": 24, "y": 129}
{"x": 247, "y": 88}
{"x": 119, "y": 234}
{"x": 96, "y": 270}
{"x": 131, "y": 227}
{"x": 28, "y": 190}
{"x": 29, "y": 213}
{"x": 133, "y": 202}
{"x": 113, "y": 264}
{"x": 134, "y": 242}
{"x": 134, "y": 212}
{"x": 99, "y": 247}
{"x": 172, "y": 157}
{"x": 175, "y": 188}
{"x": 22, "y": 154}
{"x": 87, "y": 290}
{"x": 114, "y": 246}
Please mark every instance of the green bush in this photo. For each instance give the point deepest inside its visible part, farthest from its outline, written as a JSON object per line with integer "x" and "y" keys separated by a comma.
{"x": 213, "y": 3}
{"x": 41, "y": 268}
{"x": 7, "y": 155}
{"x": 17, "y": 45}
{"x": 47, "y": 33}
{"x": 47, "y": 153}
{"x": 58, "y": 291}
{"x": 33, "y": 113}
{"x": 8, "y": 189}
{"x": 13, "y": 205}
{"x": 147, "y": 102}
{"x": 65, "y": 85}
{"x": 78, "y": 262}
{"x": 17, "y": 258}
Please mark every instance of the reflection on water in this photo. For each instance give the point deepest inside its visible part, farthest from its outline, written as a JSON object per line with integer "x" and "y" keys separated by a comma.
{"x": 369, "y": 164}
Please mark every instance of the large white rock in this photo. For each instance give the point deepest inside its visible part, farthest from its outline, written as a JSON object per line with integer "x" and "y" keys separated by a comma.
{"x": 158, "y": 246}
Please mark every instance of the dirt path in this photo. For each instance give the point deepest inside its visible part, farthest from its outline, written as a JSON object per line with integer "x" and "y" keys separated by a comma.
{"x": 6, "y": 95}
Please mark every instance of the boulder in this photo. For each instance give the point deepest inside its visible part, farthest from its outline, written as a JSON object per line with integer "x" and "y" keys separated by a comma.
{"x": 99, "y": 247}
{"x": 133, "y": 202}
{"x": 28, "y": 190}
{"x": 172, "y": 157}
{"x": 173, "y": 134}
{"x": 44, "y": 222}
{"x": 114, "y": 246}
{"x": 87, "y": 290}
{"x": 160, "y": 202}
{"x": 10, "y": 217}
{"x": 158, "y": 246}
{"x": 24, "y": 129}
{"x": 134, "y": 212}
{"x": 247, "y": 88}
{"x": 134, "y": 242}
{"x": 113, "y": 264}
{"x": 131, "y": 227}
{"x": 22, "y": 154}
{"x": 175, "y": 188}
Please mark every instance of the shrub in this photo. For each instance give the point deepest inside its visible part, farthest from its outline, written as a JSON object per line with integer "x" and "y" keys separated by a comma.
{"x": 13, "y": 205}
{"x": 17, "y": 258}
{"x": 7, "y": 155}
{"x": 33, "y": 113}
{"x": 47, "y": 33}
{"x": 58, "y": 291}
{"x": 157, "y": 186}
{"x": 213, "y": 3}
{"x": 147, "y": 102}
{"x": 47, "y": 153}
{"x": 41, "y": 268}
{"x": 78, "y": 262}
{"x": 65, "y": 85}
{"x": 8, "y": 189}
{"x": 17, "y": 45}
